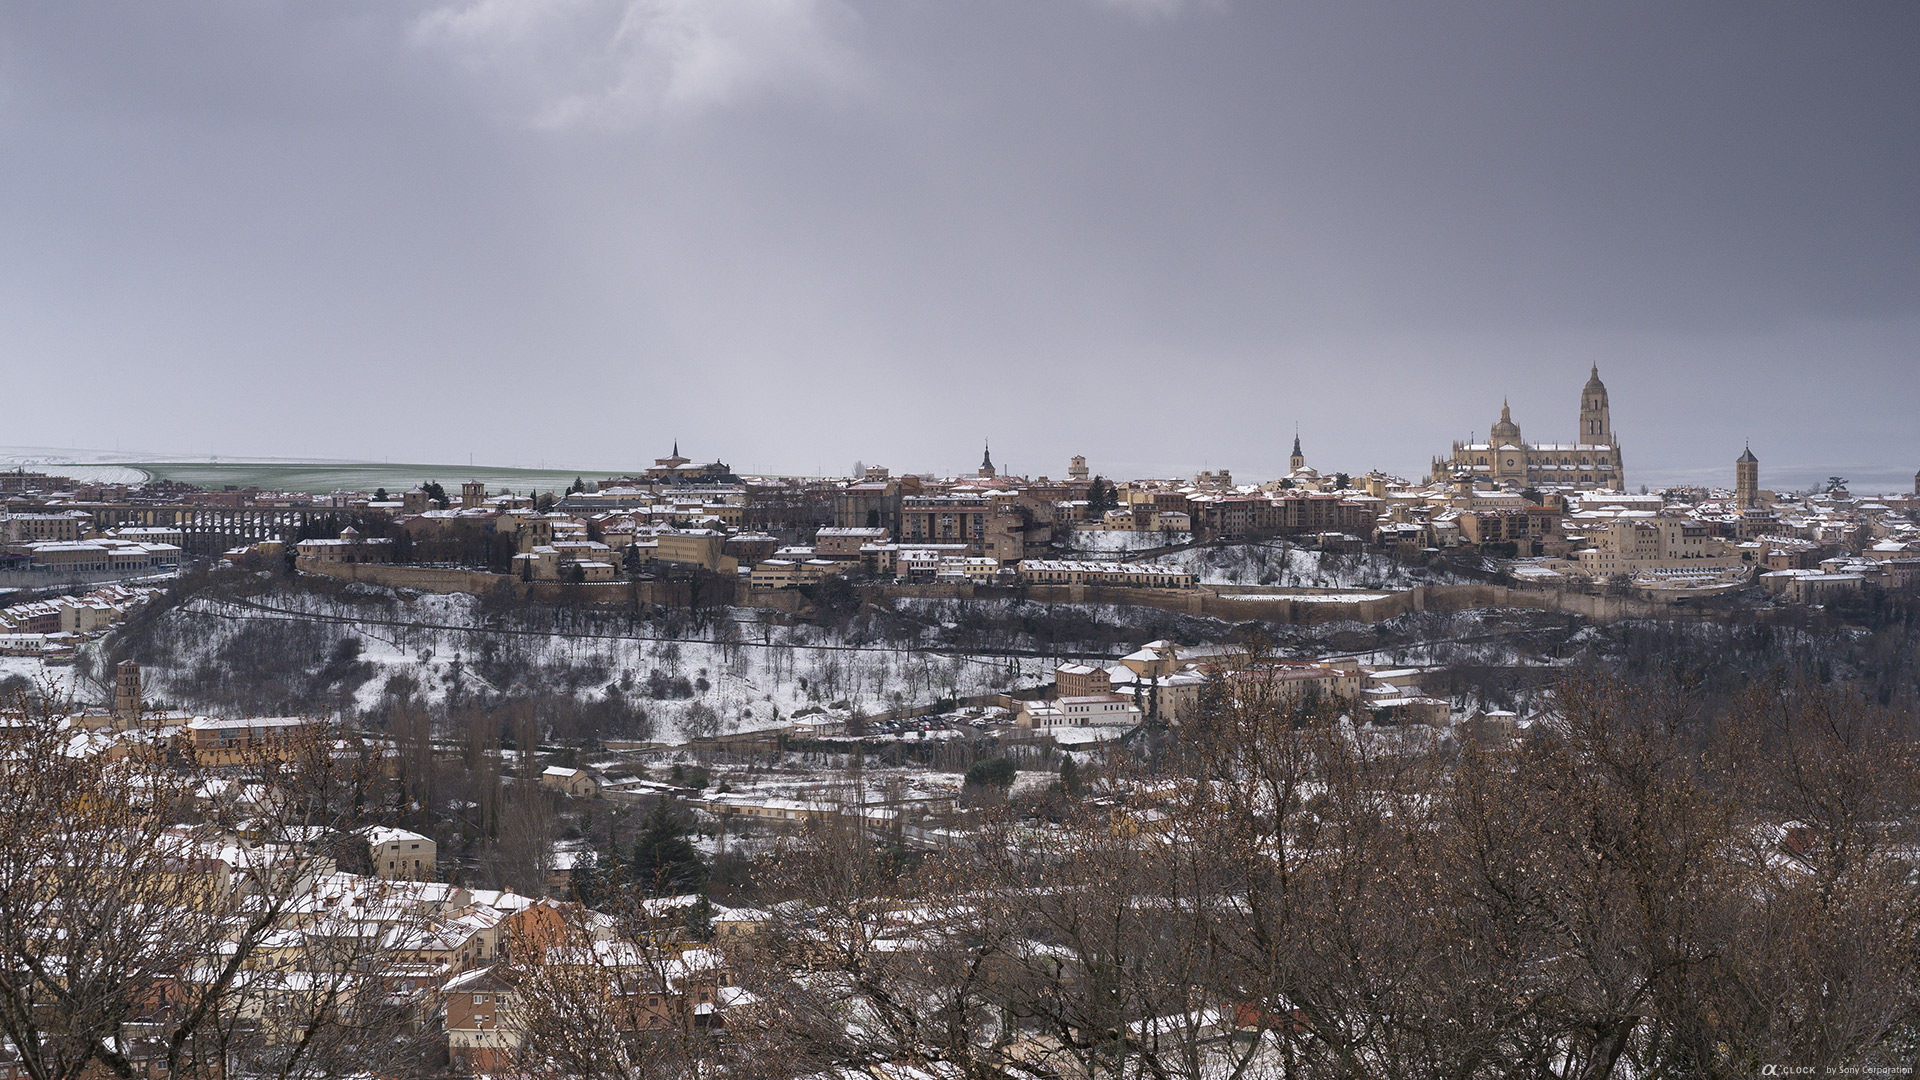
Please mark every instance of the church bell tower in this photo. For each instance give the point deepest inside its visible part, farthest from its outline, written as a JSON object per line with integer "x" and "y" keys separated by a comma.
{"x": 126, "y": 695}
{"x": 1596, "y": 426}
{"x": 1746, "y": 480}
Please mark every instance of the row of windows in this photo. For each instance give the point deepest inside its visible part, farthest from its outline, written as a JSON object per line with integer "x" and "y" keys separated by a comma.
{"x": 1585, "y": 463}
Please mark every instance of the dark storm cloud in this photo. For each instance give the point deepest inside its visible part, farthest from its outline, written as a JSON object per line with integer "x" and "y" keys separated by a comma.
{"x": 794, "y": 233}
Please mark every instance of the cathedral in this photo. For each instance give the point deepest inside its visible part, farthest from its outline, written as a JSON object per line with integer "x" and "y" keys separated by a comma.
{"x": 1592, "y": 460}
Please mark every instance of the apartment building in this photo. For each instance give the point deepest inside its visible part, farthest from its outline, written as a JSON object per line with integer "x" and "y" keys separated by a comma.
{"x": 399, "y": 855}
{"x": 1072, "y": 572}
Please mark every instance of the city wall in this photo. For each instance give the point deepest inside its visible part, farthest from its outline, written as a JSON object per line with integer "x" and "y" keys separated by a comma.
{"x": 1296, "y": 606}
{"x": 446, "y": 579}
{"x": 1227, "y": 603}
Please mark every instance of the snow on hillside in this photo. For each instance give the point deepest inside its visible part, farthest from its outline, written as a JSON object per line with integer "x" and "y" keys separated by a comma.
{"x": 1118, "y": 542}
{"x": 736, "y": 671}
{"x": 1279, "y": 563}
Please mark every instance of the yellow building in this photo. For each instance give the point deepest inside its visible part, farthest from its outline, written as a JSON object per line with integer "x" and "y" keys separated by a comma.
{"x": 253, "y": 740}
{"x": 697, "y": 547}
{"x": 1628, "y": 545}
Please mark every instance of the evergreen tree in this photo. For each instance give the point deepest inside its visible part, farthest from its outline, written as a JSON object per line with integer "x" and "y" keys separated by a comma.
{"x": 1102, "y": 496}
{"x": 594, "y": 885}
{"x": 993, "y": 772}
{"x": 665, "y": 862}
{"x": 1070, "y": 777}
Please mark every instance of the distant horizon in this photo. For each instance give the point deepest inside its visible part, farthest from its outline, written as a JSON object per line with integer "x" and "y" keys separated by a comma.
{"x": 1862, "y": 478}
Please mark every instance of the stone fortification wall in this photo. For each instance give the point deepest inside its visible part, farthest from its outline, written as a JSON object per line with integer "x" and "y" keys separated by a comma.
{"x": 1229, "y": 603}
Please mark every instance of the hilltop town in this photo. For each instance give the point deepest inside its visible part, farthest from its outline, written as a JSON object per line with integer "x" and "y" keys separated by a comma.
{"x": 481, "y": 782}
{"x": 1545, "y": 516}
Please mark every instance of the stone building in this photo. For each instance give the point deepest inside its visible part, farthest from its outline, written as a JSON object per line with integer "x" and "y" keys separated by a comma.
{"x": 1746, "y": 480}
{"x": 126, "y": 695}
{"x": 399, "y": 855}
{"x": 1592, "y": 460}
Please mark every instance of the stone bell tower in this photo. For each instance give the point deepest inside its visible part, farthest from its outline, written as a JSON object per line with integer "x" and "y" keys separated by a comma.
{"x": 1596, "y": 425}
{"x": 1746, "y": 480}
{"x": 126, "y": 695}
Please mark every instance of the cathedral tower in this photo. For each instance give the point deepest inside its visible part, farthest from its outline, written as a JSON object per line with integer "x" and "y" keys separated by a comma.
{"x": 1746, "y": 480}
{"x": 986, "y": 464}
{"x": 1299, "y": 460}
{"x": 1596, "y": 427}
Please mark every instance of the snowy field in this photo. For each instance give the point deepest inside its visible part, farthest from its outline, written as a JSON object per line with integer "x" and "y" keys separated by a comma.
{"x": 58, "y": 679}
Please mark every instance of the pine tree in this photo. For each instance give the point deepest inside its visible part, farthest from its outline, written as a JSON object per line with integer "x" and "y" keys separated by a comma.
{"x": 665, "y": 862}
{"x": 595, "y": 885}
{"x": 1070, "y": 777}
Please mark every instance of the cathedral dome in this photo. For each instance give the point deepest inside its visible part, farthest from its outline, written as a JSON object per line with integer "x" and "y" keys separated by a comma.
{"x": 1506, "y": 432}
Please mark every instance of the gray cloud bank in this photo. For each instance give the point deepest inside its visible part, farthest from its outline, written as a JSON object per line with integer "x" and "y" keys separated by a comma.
{"x": 799, "y": 232}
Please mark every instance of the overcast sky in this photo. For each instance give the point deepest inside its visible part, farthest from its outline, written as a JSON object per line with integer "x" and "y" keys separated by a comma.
{"x": 794, "y": 234}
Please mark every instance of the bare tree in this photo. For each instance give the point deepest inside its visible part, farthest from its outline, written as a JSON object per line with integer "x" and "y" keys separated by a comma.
{"x": 139, "y": 894}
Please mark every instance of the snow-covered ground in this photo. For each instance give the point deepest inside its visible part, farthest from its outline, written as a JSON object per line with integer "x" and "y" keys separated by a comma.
{"x": 1118, "y": 542}
{"x": 1276, "y": 562}
{"x": 57, "y": 679}
{"x": 736, "y": 673}
{"x": 1312, "y": 598}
